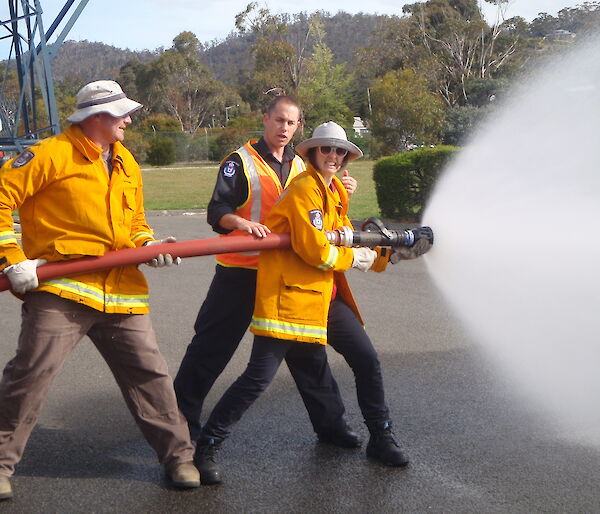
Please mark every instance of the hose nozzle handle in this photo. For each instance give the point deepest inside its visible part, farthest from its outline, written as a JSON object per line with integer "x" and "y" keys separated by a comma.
{"x": 380, "y": 236}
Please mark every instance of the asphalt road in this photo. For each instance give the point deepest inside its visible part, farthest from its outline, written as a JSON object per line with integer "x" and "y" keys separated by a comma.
{"x": 473, "y": 446}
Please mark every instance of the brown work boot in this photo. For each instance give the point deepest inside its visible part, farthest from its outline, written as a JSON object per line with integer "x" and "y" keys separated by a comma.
{"x": 184, "y": 476}
{"x": 5, "y": 488}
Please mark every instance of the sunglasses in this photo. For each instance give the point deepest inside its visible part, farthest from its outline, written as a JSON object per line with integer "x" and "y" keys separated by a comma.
{"x": 326, "y": 150}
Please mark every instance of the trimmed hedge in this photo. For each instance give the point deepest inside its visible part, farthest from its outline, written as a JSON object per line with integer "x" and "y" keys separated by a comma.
{"x": 403, "y": 181}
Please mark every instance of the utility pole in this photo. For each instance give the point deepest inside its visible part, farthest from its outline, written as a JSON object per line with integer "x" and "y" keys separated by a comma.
{"x": 226, "y": 112}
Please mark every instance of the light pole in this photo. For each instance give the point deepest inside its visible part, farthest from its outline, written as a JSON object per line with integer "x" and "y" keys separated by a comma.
{"x": 227, "y": 112}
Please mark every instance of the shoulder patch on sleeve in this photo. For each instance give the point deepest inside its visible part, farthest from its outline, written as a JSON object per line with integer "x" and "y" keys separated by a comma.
{"x": 316, "y": 218}
{"x": 230, "y": 168}
{"x": 23, "y": 159}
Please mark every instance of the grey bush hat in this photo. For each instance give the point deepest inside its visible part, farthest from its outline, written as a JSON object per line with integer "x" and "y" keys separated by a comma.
{"x": 329, "y": 134}
{"x": 102, "y": 96}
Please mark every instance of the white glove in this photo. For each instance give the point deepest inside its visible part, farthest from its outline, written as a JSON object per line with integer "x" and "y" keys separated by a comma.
{"x": 163, "y": 259}
{"x": 363, "y": 258}
{"x": 23, "y": 275}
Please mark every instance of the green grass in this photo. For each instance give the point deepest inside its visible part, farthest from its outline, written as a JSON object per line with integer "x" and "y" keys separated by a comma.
{"x": 187, "y": 188}
{"x": 363, "y": 203}
{"x": 191, "y": 188}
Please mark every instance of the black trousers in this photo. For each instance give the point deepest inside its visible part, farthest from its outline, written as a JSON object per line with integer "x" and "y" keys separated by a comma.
{"x": 220, "y": 326}
{"x": 348, "y": 337}
{"x": 345, "y": 334}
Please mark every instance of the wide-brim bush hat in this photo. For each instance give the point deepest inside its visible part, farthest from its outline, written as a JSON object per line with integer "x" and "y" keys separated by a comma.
{"x": 102, "y": 96}
{"x": 329, "y": 134}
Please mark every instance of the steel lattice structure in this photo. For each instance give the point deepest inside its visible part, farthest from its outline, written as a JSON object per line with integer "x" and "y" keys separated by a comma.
{"x": 24, "y": 120}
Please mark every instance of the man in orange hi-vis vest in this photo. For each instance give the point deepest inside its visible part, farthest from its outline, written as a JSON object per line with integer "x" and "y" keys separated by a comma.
{"x": 248, "y": 184}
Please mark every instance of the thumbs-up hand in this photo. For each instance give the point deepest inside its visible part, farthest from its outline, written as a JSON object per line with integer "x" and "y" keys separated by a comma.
{"x": 350, "y": 183}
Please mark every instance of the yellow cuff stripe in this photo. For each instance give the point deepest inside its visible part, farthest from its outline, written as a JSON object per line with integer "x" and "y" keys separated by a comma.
{"x": 142, "y": 234}
{"x": 331, "y": 259}
{"x": 8, "y": 237}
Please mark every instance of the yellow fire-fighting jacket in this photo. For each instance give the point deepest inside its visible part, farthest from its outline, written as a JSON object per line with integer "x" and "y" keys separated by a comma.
{"x": 264, "y": 188}
{"x": 68, "y": 208}
{"x": 294, "y": 286}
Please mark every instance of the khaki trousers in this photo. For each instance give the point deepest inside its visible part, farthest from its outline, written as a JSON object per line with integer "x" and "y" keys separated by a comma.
{"x": 51, "y": 328}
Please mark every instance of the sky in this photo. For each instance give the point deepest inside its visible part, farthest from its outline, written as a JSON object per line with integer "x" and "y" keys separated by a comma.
{"x": 149, "y": 24}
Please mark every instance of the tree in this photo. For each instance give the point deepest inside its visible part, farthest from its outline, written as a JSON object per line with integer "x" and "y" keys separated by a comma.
{"x": 448, "y": 41}
{"x": 459, "y": 43}
{"x": 404, "y": 112}
{"x": 281, "y": 48}
{"x": 177, "y": 83}
{"x": 460, "y": 122}
{"x": 386, "y": 51}
{"x": 10, "y": 97}
{"x": 325, "y": 90}
{"x": 543, "y": 24}
{"x": 65, "y": 94}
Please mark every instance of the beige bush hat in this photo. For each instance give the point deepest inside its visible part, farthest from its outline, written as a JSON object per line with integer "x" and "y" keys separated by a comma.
{"x": 102, "y": 96}
{"x": 329, "y": 134}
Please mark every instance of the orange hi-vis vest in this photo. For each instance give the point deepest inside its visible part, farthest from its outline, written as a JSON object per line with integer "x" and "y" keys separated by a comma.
{"x": 264, "y": 188}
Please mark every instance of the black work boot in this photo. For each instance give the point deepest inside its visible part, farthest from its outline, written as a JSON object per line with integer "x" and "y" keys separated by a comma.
{"x": 383, "y": 446}
{"x": 343, "y": 436}
{"x": 206, "y": 462}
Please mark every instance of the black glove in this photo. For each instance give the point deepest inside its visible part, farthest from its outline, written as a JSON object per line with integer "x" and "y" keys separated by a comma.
{"x": 404, "y": 253}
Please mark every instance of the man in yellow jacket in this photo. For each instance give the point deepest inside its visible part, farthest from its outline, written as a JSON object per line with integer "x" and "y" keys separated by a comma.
{"x": 80, "y": 193}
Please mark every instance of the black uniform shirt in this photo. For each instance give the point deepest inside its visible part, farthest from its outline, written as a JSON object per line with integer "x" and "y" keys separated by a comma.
{"x": 231, "y": 189}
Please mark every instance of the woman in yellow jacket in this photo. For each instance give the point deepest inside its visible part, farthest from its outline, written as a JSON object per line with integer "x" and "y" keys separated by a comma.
{"x": 303, "y": 302}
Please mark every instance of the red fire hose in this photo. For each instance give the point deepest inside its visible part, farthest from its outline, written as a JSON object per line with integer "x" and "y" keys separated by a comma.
{"x": 131, "y": 256}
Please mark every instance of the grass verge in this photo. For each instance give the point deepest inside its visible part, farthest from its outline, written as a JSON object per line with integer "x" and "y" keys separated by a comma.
{"x": 181, "y": 188}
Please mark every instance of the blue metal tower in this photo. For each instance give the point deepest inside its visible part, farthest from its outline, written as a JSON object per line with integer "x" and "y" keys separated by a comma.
{"x": 22, "y": 121}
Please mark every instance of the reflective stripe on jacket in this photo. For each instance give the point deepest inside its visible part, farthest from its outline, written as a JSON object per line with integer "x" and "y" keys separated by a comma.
{"x": 294, "y": 286}
{"x": 264, "y": 187}
{"x": 69, "y": 207}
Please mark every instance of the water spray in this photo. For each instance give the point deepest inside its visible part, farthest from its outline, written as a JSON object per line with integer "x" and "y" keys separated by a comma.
{"x": 529, "y": 298}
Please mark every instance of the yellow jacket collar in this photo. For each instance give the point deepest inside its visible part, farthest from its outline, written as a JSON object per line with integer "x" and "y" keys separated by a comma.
{"x": 86, "y": 146}
{"x": 90, "y": 150}
{"x": 328, "y": 194}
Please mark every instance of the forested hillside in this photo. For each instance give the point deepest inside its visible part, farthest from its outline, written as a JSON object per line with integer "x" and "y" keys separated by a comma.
{"x": 344, "y": 34}
{"x": 84, "y": 61}
{"x": 424, "y": 77}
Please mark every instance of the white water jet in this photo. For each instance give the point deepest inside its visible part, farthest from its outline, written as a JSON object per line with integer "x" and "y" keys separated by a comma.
{"x": 516, "y": 219}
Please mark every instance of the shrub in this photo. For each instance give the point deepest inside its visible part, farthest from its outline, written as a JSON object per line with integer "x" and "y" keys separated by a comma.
{"x": 161, "y": 151}
{"x": 136, "y": 144}
{"x": 403, "y": 181}
{"x": 159, "y": 123}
